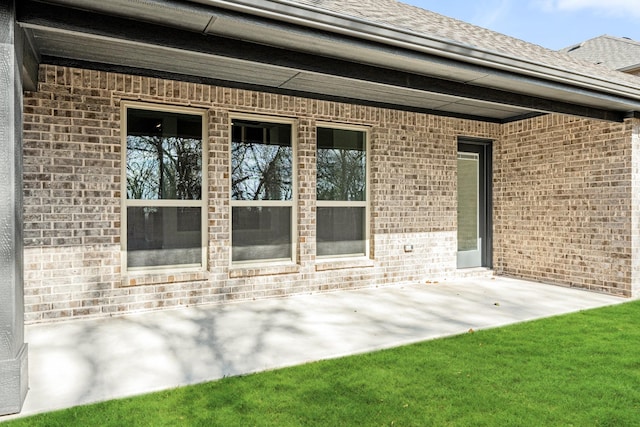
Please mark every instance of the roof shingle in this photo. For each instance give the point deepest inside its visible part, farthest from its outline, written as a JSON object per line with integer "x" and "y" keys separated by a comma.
{"x": 398, "y": 15}
{"x": 613, "y": 52}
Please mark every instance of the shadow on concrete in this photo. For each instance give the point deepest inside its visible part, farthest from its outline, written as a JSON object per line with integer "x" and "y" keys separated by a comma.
{"x": 83, "y": 361}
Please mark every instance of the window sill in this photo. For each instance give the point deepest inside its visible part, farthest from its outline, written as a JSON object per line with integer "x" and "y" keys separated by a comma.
{"x": 163, "y": 277}
{"x": 325, "y": 264}
{"x": 249, "y": 270}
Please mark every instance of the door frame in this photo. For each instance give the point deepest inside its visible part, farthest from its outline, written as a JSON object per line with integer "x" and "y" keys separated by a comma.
{"x": 484, "y": 148}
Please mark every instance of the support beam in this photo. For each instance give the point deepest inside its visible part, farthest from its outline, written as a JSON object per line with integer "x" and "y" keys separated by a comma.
{"x": 121, "y": 69}
{"x": 13, "y": 350}
{"x": 30, "y": 60}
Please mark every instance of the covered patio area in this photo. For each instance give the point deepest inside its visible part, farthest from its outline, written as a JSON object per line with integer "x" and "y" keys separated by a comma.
{"x": 128, "y": 187}
{"x": 84, "y": 361}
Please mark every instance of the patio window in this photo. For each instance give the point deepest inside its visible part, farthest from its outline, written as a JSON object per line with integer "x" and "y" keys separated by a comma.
{"x": 164, "y": 209}
{"x": 341, "y": 191}
{"x": 262, "y": 191}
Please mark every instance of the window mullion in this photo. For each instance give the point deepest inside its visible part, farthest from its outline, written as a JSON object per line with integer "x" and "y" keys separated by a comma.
{"x": 339, "y": 203}
{"x": 257, "y": 203}
{"x": 163, "y": 203}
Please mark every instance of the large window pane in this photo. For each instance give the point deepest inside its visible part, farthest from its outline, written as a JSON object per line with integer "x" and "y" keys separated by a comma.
{"x": 261, "y": 161}
{"x": 261, "y": 233}
{"x": 468, "y": 169}
{"x": 159, "y": 236}
{"x": 341, "y": 163}
{"x": 164, "y": 155}
{"x": 164, "y": 206}
{"x": 341, "y": 192}
{"x": 341, "y": 231}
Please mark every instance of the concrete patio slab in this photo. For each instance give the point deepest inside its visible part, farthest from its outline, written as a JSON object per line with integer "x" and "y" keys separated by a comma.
{"x": 83, "y": 361}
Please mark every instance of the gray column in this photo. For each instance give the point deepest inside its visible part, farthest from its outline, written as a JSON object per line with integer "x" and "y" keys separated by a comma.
{"x": 13, "y": 350}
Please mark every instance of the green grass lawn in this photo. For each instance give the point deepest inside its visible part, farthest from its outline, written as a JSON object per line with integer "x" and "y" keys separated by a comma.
{"x": 581, "y": 369}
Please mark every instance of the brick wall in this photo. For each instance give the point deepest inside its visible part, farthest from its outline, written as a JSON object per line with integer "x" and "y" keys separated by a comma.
{"x": 563, "y": 192}
{"x": 72, "y": 153}
{"x": 635, "y": 207}
{"x": 564, "y": 205}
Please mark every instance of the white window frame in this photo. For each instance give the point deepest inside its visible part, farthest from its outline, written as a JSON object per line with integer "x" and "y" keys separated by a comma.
{"x": 350, "y": 203}
{"x": 293, "y": 203}
{"x": 126, "y": 202}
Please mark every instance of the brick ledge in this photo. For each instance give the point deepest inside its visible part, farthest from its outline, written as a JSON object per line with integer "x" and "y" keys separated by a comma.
{"x": 141, "y": 279}
{"x": 339, "y": 264}
{"x": 263, "y": 270}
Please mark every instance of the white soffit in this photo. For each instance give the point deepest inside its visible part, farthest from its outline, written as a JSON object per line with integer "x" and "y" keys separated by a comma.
{"x": 395, "y": 55}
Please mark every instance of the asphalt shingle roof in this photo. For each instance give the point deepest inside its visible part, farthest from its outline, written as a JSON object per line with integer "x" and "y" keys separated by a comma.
{"x": 430, "y": 24}
{"x": 613, "y": 52}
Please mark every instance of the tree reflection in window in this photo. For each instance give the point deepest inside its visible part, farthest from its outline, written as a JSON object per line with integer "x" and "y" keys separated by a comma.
{"x": 261, "y": 191}
{"x": 341, "y": 164}
{"x": 164, "y": 205}
{"x": 164, "y": 156}
{"x": 261, "y": 161}
{"x": 341, "y": 192}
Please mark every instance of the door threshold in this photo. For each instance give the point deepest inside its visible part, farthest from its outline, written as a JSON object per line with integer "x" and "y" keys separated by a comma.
{"x": 463, "y": 273}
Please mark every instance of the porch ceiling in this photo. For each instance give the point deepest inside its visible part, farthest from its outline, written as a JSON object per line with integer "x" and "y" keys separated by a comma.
{"x": 212, "y": 45}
